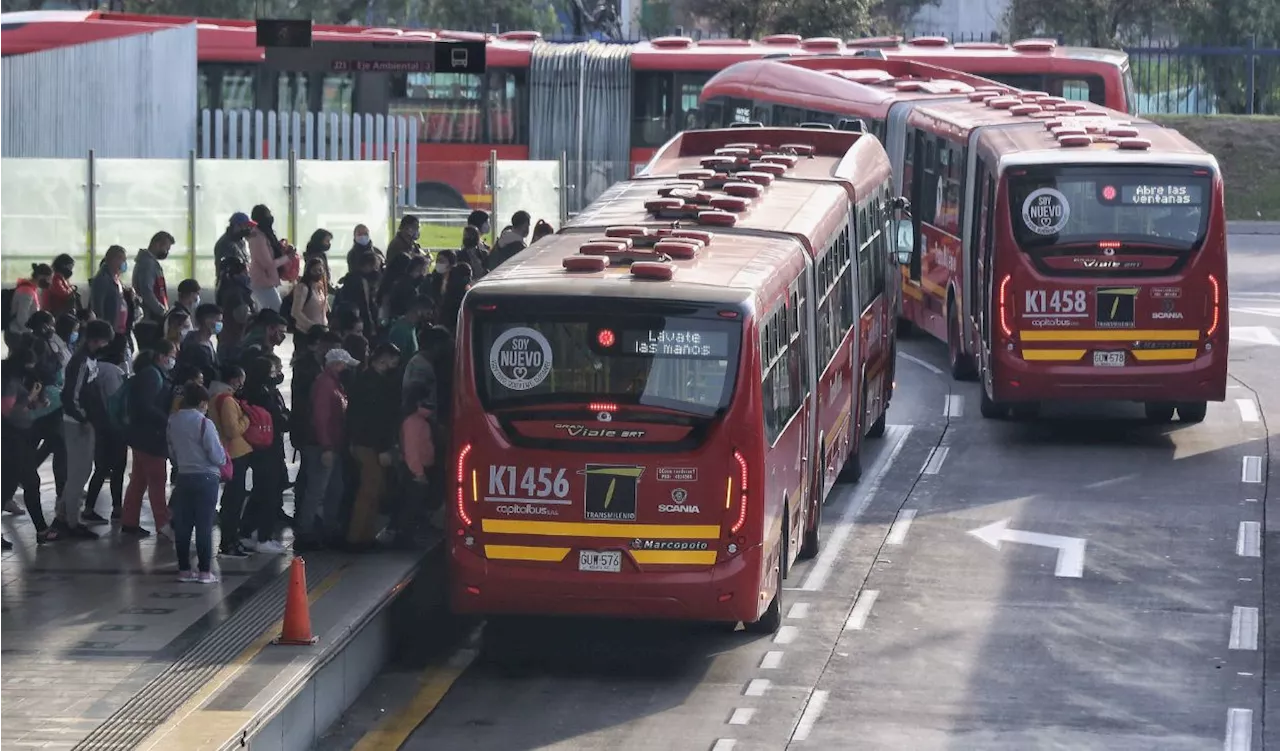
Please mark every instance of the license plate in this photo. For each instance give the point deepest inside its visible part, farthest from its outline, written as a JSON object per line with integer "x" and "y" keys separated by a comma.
{"x": 600, "y": 560}
{"x": 1108, "y": 359}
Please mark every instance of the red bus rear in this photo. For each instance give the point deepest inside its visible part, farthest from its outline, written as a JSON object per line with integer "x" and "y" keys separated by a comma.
{"x": 665, "y": 410}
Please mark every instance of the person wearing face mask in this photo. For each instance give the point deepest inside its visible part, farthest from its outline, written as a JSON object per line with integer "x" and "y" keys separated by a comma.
{"x": 480, "y": 220}
{"x": 62, "y": 297}
{"x": 197, "y": 354}
{"x": 406, "y": 289}
{"x": 310, "y": 300}
{"x": 51, "y": 356}
{"x": 329, "y": 428}
{"x": 150, "y": 401}
{"x": 361, "y": 242}
{"x": 373, "y": 416}
{"x": 28, "y": 297}
{"x": 268, "y": 331}
{"x": 512, "y": 240}
{"x": 473, "y": 252}
{"x": 436, "y": 284}
{"x": 148, "y": 277}
{"x": 263, "y": 377}
{"x": 107, "y": 300}
{"x": 318, "y": 249}
{"x": 197, "y": 457}
{"x": 22, "y": 396}
{"x": 232, "y": 422}
{"x": 110, "y": 450}
{"x": 81, "y": 398}
{"x": 358, "y": 292}
{"x": 267, "y": 256}
{"x": 233, "y": 245}
{"x": 177, "y": 324}
{"x": 235, "y": 297}
{"x": 405, "y": 241}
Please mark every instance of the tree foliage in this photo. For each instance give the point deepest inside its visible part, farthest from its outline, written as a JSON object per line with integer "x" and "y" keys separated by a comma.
{"x": 808, "y": 18}
{"x": 1096, "y": 23}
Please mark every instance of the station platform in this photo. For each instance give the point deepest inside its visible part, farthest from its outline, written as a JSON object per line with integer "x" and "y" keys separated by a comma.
{"x": 104, "y": 649}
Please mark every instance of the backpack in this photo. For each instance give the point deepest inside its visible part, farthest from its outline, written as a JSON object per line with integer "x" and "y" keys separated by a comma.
{"x": 118, "y": 407}
{"x": 286, "y": 310}
{"x": 260, "y": 434}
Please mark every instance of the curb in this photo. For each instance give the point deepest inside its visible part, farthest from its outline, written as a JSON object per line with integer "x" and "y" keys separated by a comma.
{"x": 1242, "y": 227}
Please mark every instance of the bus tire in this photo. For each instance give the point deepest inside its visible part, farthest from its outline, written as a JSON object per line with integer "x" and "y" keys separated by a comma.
{"x": 1025, "y": 410}
{"x": 771, "y": 620}
{"x": 991, "y": 410}
{"x": 877, "y": 427}
{"x": 813, "y": 537}
{"x": 1158, "y": 412}
{"x": 433, "y": 195}
{"x": 1192, "y": 412}
{"x": 905, "y": 329}
{"x": 961, "y": 364}
{"x": 852, "y": 469}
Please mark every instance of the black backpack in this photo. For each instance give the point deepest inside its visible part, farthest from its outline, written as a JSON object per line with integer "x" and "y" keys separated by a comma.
{"x": 6, "y": 299}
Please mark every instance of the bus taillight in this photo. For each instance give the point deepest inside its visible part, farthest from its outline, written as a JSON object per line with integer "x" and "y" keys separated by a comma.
{"x": 742, "y": 492}
{"x": 462, "y": 479}
{"x": 1216, "y": 303}
{"x": 1004, "y": 306}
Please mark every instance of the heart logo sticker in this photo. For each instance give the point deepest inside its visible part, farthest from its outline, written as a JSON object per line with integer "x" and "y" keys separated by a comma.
{"x": 520, "y": 358}
{"x": 519, "y": 373}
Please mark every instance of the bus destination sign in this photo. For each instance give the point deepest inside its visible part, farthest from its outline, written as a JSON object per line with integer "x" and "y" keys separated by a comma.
{"x": 382, "y": 57}
{"x": 711, "y": 345}
{"x": 1161, "y": 195}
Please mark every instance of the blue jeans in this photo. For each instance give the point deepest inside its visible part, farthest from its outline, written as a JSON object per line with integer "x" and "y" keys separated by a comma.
{"x": 194, "y": 505}
{"x": 323, "y": 495}
{"x": 268, "y": 297}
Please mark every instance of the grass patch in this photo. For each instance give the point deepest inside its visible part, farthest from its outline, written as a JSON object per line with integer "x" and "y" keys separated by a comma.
{"x": 1248, "y": 150}
{"x": 440, "y": 236}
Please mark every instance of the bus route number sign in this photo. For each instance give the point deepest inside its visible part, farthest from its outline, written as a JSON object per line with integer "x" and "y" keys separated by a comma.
{"x": 1046, "y": 211}
{"x": 520, "y": 358}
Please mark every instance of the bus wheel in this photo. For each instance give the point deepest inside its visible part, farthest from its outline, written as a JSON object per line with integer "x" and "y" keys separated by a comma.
{"x": 813, "y": 537}
{"x": 991, "y": 410}
{"x": 852, "y": 469}
{"x": 877, "y": 427}
{"x": 1026, "y": 411}
{"x": 1159, "y": 412}
{"x": 771, "y": 621}
{"x": 1192, "y": 412}
{"x": 905, "y": 329}
{"x": 961, "y": 364}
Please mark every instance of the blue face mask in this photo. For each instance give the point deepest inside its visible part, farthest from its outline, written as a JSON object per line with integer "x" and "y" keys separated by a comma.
{"x": 124, "y": 267}
{"x": 217, "y": 327}
{"x": 75, "y": 337}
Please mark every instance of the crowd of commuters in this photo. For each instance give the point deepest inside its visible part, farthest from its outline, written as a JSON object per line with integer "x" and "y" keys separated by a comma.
{"x": 181, "y": 387}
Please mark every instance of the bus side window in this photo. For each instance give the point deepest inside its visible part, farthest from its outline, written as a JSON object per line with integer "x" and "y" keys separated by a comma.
{"x": 787, "y": 117}
{"x": 651, "y": 108}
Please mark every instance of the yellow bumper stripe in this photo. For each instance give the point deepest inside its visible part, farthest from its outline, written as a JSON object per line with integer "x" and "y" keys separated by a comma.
{"x": 1109, "y": 335}
{"x": 1164, "y": 354}
{"x": 601, "y": 529}
{"x": 675, "y": 557}
{"x": 524, "y": 553}
{"x": 1059, "y": 355}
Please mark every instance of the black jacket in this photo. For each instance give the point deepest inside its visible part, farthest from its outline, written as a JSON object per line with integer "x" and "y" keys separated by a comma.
{"x": 150, "y": 401}
{"x": 194, "y": 357}
{"x": 267, "y": 396}
{"x": 373, "y": 411}
{"x": 81, "y": 393}
{"x": 353, "y": 296}
{"x": 305, "y": 372}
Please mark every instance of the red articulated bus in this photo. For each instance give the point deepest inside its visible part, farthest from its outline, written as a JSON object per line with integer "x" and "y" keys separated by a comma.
{"x": 1119, "y": 278}
{"x": 671, "y": 386}
{"x": 465, "y": 117}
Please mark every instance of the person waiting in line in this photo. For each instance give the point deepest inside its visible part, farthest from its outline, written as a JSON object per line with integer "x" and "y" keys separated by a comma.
{"x": 372, "y": 417}
{"x": 310, "y": 300}
{"x": 266, "y": 501}
{"x": 229, "y": 416}
{"x": 473, "y": 253}
{"x": 148, "y": 277}
{"x": 451, "y": 300}
{"x": 480, "y": 220}
{"x": 325, "y": 465}
{"x": 361, "y": 242}
{"x": 358, "y": 347}
{"x": 345, "y": 322}
{"x": 235, "y": 297}
{"x": 107, "y": 300}
{"x": 198, "y": 353}
{"x": 197, "y": 457}
{"x": 234, "y": 244}
{"x": 405, "y": 289}
{"x": 268, "y": 331}
{"x": 111, "y": 451}
{"x": 62, "y": 297}
{"x": 418, "y": 451}
{"x": 358, "y": 292}
{"x": 438, "y": 282}
{"x": 51, "y": 358}
{"x": 188, "y": 298}
{"x": 81, "y": 397}
{"x": 28, "y": 297}
{"x": 420, "y": 382}
{"x": 150, "y": 402}
{"x": 542, "y": 229}
{"x": 318, "y": 249}
{"x": 511, "y": 241}
{"x": 307, "y": 366}
{"x": 404, "y": 330}
{"x": 406, "y": 240}
{"x": 268, "y": 256}
{"x": 177, "y": 325}
{"x": 21, "y": 397}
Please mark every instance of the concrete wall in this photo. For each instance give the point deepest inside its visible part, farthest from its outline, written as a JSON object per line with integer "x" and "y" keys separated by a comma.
{"x": 130, "y": 98}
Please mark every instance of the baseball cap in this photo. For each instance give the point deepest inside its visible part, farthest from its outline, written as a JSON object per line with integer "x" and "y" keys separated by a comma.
{"x": 241, "y": 219}
{"x": 340, "y": 355}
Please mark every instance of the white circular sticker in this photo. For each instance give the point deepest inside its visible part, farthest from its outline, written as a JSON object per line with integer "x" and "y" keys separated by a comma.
{"x": 520, "y": 358}
{"x": 1046, "y": 211}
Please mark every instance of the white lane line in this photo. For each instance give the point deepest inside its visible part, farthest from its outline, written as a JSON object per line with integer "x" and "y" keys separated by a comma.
{"x": 1244, "y": 628}
{"x": 741, "y": 716}
{"x": 926, "y": 365}
{"x": 756, "y": 687}
{"x": 896, "y": 436}
{"x": 772, "y": 659}
{"x": 809, "y": 717}
{"x": 1248, "y": 410}
{"x": 862, "y": 609}
{"x": 1252, "y": 469}
{"x": 724, "y": 744}
{"x": 1251, "y": 500}
{"x": 933, "y": 465}
{"x": 953, "y": 406}
{"x": 898, "y": 530}
{"x": 1249, "y": 540}
{"x": 786, "y": 635}
{"x": 799, "y": 611}
{"x": 1239, "y": 730}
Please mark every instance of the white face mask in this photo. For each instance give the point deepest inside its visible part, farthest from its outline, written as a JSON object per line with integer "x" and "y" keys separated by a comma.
{"x": 362, "y": 239}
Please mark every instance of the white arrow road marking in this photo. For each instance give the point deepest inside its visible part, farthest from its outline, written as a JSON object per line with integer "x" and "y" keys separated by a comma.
{"x": 1070, "y": 549}
{"x": 1253, "y": 335}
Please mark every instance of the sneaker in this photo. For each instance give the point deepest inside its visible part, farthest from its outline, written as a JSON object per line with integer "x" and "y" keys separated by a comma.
{"x": 81, "y": 532}
{"x": 235, "y": 551}
{"x": 188, "y": 576}
{"x": 135, "y": 531}
{"x": 207, "y": 577}
{"x": 272, "y": 547}
{"x": 166, "y": 532}
{"x": 89, "y": 516}
{"x": 11, "y": 507}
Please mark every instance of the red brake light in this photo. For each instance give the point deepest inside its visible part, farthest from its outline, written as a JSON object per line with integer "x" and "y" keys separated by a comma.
{"x": 1004, "y": 306}
{"x": 606, "y": 338}
{"x": 1216, "y": 304}
{"x": 742, "y": 492}
{"x": 1109, "y": 193}
{"x": 462, "y": 479}
{"x": 603, "y": 407}
{"x": 1111, "y": 244}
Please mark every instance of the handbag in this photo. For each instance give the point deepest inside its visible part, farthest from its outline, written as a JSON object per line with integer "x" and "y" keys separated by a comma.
{"x": 227, "y": 470}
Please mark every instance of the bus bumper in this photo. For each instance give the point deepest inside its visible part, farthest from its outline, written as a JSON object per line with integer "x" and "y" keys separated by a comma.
{"x": 1204, "y": 379}
{"x": 726, "y": 592}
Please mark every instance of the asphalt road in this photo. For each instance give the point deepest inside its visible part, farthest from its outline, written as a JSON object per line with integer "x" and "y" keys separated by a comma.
{"x": 1085, "y": 581}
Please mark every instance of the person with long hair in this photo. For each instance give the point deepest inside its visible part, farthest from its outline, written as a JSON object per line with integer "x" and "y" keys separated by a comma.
{"x": 197, "y": 456}
{"x": 311, "y": 298}
{"x": 110, "y": 450}
{"x": 107, "y": 300}
{"x": 263, "y": 376}
{"x": 21, "y": 397}
{"x": 61, "y": 297}
{"x": 267, "y": 256}
{"x": 318, "y": 248}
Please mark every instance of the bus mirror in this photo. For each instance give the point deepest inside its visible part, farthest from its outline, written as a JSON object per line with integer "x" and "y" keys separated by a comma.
{"x": 906, "y": 242}
{"x": 901, "y": 205}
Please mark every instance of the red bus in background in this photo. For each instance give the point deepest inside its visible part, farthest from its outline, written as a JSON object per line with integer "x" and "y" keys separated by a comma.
{"x": 666, "y": 407}
{"x": 463, "y": 118}
{"x": 1123, "y": 298}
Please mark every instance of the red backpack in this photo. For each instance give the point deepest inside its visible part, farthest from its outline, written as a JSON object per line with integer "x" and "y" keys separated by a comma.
{"x": 260, "y": 434}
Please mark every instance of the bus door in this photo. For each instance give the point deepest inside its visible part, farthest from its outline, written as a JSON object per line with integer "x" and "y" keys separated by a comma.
{"x": 967, "y": 285}
{"x": 913, "y": 186}
{"x": 984, "y": 277}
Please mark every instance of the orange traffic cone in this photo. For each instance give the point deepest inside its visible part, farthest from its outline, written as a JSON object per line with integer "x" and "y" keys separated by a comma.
{"x": 297, "y": 611}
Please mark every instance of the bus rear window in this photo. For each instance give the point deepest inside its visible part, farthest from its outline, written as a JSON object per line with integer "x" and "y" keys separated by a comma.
{"x": 1074, "y": 205}
{"x": 683, "y": 361}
